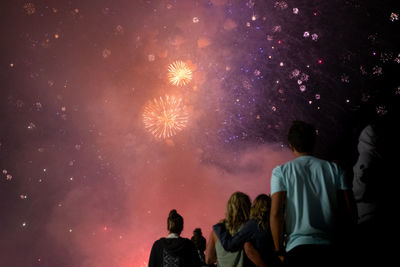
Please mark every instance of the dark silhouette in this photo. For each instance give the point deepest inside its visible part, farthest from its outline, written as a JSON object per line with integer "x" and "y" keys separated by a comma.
{"x": 374, "y": 186}
{"x": 199, "y": 242}
{"x": 173, "y": 250}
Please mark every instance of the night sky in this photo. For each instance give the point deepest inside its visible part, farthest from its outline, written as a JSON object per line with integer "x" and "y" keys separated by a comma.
{"x": 84, "y": 182}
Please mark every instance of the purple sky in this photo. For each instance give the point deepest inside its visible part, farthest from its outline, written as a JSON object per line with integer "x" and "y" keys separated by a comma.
{"x": 82, "y": 182}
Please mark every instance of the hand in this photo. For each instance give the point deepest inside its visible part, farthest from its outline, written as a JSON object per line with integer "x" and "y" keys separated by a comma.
{"x": 281, "y": 258}
{"x": 281, "y": 254}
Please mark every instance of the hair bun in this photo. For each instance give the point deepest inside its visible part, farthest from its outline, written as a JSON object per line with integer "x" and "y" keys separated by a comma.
{"x": 175, "y": 222}
{"x": 173, "y": 213}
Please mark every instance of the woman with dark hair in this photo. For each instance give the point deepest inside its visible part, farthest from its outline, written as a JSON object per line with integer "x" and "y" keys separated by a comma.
{"x": 199, "y": 242}
{"x": 173, "y": 250}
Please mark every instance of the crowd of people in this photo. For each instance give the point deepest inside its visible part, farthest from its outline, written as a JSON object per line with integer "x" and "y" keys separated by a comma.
{"x": 314, "y": 215}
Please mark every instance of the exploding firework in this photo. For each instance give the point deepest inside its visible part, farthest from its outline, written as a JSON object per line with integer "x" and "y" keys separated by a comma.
{"x": 179, "y": 73}
{"x": 165, "y": 117}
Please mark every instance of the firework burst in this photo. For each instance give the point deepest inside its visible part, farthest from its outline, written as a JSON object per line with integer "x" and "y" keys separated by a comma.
{"x": 179, "y": 73}
{"x": 165, "y": 117}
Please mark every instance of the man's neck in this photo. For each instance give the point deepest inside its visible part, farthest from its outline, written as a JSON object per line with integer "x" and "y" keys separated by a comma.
{"x": 300, "y": 154}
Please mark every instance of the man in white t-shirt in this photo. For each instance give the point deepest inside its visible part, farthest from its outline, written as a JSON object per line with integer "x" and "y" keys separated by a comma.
{"x": 306, "y": 195}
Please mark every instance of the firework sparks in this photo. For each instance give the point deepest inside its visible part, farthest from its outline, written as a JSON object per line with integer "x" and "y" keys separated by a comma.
{"x": 179, "y": 73}
{"x": 165, "y": 117}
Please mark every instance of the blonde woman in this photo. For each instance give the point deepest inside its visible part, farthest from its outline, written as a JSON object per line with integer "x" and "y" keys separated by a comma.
{"x": 256, "y": 231}
{"x": 237, "y": 214}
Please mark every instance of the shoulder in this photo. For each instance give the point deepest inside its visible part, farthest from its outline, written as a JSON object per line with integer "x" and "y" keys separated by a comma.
{"x": 334, "y": 167}
{"x": 333, "y": 170}
{"x": 292, "y": 164}
{"x": 368, "y": 138}
{"x": 158, "y": 245}
{"x": 325, "y": 163}
{"x": 188, "y": 245}
{"x": 277, "y": 174}
{"x": 280, "y": 170}
{"x": 159, "y": 242}
{"x": 219, "y": 225}
{"x": 278, "y": 180}
{"x": 277, "y": 171}
{"x": 368, "y": 132}
{"x": 187, "y": 241}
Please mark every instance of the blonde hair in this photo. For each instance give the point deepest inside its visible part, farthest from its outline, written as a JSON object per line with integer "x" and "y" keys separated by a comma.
{"x": 260, "y": 210}
{"x": 237, "y": 211}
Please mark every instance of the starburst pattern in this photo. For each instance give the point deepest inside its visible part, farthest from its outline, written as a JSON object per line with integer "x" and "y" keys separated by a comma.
{"x": 179, "y": 73}
{"x": 165, "y": 117}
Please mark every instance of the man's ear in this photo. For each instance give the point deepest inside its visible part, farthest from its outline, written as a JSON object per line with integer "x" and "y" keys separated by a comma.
{"x": 291, "y": 147}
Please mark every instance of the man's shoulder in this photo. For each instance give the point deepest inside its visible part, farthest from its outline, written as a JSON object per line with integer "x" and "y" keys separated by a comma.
{"x": 306, "y": 161}
{"x": 331, "y": 164}
{"x": 280, "y": 170}
{"x": 290, "y": 164}
{"x": 287, "y": 164}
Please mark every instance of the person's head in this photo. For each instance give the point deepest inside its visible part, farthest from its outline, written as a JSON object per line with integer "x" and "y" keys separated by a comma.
{"x": 302, "y": 137}
{"x": 237, "y": 211}
{"x": 260, "y": 210}
{"x": 199, "y": 240}
{"x": 175, "y": 222}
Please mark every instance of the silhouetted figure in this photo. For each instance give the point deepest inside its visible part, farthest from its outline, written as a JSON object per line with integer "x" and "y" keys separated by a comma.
{"x": 173, "y": 250}
{"x": 256, "y": 231}
{"x": 237, "y": 214}
{"x": 199, "y": 242}
{"x": 376, "y": 175}
{"x": 307, "y": 194}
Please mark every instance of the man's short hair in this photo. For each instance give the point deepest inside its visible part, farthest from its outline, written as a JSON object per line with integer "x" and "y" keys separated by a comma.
{"x": 302, "y": 136}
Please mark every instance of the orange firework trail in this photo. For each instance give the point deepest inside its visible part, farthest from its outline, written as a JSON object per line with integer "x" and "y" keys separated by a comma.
{"x": 179, "y": 73}
{"x": 165, "y": 117}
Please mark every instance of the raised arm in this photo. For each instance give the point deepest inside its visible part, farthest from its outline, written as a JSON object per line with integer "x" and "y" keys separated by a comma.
{"x": 236, "y": 242}
{"x": 211, "y": 254}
